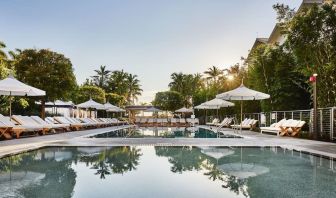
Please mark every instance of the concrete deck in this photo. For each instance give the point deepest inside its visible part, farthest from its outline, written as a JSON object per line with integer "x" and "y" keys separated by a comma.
{"x": 79, "y": 138}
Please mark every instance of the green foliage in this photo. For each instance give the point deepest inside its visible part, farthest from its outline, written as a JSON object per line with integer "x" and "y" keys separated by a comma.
{"x": 86, "y": 92}
{"x": 312, "y": 39}
{"x": 101, "y": 77}
{"x": 273, "y": 70}
{"x": 124, "y": 84}
{"x": 46, "y": 70}
{"x": 168, "y": 100}
{"x": 115, "y": 99}
{"x": 186, "y": 84}
{"x": 284, "y": 12}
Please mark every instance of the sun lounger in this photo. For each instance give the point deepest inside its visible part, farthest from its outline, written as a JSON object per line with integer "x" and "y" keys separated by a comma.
{"x": 173, "y": 122}
{"x": 214, "y": 121}
{"x": 65, "y": 127}
{"x": 183, "y": 122}
{"x": 79, "y": 121}
{"x": 27, "y": 121}
{"x": 274, "y": 128}
{"x": 225, "y": 123}
{"x": 164, "y": 122}
{"x": 10, "y": 128}
{"x": 143, "y": 121}
{"x": 73, "y": 126}
{"x": 285, "y": 127}
{"x": 246, "y": 124}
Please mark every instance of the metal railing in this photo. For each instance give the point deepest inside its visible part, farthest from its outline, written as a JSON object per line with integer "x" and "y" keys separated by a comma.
{"x": 326, "y": 119}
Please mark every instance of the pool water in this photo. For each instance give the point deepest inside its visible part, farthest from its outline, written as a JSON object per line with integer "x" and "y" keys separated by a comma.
{"x": 166, "y": 172}
{"x": 163, "y": 132}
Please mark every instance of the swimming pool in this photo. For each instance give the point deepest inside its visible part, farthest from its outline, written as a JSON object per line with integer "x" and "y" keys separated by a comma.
{"x": 163, "y": 132}
{"x": 167, "y": 172}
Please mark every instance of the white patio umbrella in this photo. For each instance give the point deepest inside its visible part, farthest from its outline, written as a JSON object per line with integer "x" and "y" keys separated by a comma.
{"x": 242, "y": 93}
{"x": 218, "y": 103}
{"x": 205, "y": 107}
{"x": 243, "y": 170}
{"x": 184, "y": 110}
{"x": 90, "y": 104}
{"x": 12, "y": 87}
{"x": 115, "y": 109}
{"x": 152, "y": 109}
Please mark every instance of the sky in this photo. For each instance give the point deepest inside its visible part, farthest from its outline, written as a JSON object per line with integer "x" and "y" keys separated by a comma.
{"x": 149, "y": 38}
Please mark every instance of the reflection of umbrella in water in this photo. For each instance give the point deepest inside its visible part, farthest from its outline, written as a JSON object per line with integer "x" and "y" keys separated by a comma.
{"x": 216, "y": 153}
{"x": 243, "y": 170}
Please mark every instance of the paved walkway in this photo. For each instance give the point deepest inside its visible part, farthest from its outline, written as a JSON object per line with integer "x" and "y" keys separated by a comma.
{"x": 249, "y": 139}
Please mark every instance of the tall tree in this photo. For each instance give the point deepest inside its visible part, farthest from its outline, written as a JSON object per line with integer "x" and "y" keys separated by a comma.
{"x": 47, "y": 70}
{"x": 311, "y": 37}
{"x": 168, "y": 100}
{"x": 133, "y": 88}
{"x": 213, "y": 73}
{"x": 101, "y": 77}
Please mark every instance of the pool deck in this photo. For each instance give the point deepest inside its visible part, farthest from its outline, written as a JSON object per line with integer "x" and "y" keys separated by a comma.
{"x": 79, "y": 138}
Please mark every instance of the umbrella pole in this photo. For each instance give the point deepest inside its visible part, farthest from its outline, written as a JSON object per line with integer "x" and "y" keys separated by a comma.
{"x": 10, "y": 106}
{"x": 241, "y": 116}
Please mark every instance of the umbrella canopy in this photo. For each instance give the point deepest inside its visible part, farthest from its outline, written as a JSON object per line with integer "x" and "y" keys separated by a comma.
{"x": 109, "y": 106}
{"x": 12, "y": 87}
{"x": 152, "y": 109}
{"x": 243, "y": 171}
{"x": 203, "y": 106}
{"x": 115, "y": 109}
{"x": 218, "y": 103}
{"x": 91, "y": 104}
{"x": 184, "y": 110}
{"x": 242, "y": 93}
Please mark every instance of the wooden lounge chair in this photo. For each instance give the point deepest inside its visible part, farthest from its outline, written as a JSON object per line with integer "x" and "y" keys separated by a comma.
{"x": 15, "y": 130}
{"x": 246, "y": 124}
{"x": 291, "y": 127}
{"x": 73, "y": 126}
{"x": 214, "y": 122}
{"x": 183, "y": 122}
{"x": 63, "y": 127}
{"x": 27, "y": 121}
{"x": 5, "y": 131}
{"x": 296, "y": 129}
{"x": 273, "y": 128}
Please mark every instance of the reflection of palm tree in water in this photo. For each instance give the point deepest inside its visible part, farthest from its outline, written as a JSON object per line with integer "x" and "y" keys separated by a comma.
{"x": 100, "y": 165}
{"x": 116, "y": 160}
{"x": 191, "y": 158}
{"x": 182, "y": 158}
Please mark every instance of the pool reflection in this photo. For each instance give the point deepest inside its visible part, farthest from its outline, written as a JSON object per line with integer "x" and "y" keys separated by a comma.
{"x": 229, "y": 172}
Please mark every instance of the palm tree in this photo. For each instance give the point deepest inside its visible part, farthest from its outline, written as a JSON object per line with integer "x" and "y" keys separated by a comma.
{"x": 214, "y": 73}
{"x": 101, "y": 77}
{"x": 177, "y": 83}
{"x": 133, "y": 86}
{"x": 116, "y": 82}
{"x": 2, "y": 53}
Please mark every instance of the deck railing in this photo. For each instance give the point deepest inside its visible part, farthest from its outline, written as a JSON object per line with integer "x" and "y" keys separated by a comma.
{"x": 326, "y": 119}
